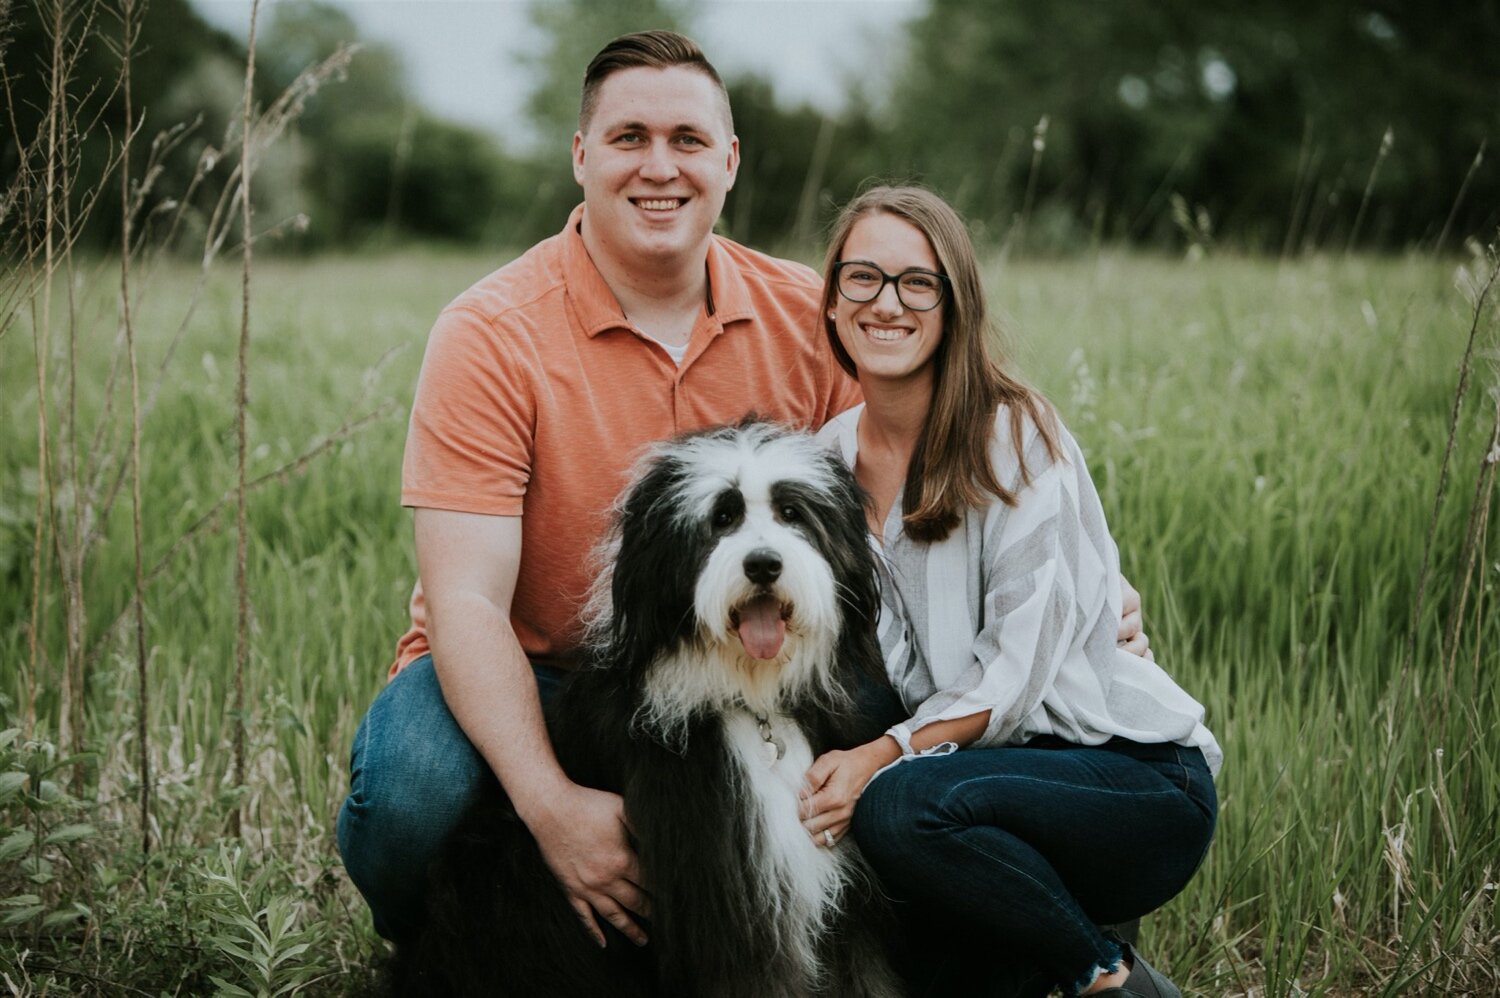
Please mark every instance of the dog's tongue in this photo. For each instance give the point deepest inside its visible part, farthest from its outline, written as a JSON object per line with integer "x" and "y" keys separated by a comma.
{"x": 761, "y": 628}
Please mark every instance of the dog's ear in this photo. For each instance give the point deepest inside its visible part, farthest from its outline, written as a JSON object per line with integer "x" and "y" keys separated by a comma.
{"x": 848, "y": 549}
{"x": 653, "y": 574}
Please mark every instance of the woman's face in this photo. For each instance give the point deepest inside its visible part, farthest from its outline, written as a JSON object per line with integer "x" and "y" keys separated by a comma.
{"x": 887, "y": 339}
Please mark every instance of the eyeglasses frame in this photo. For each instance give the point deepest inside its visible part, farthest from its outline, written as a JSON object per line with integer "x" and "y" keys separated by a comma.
{"x": 943, "y": 284}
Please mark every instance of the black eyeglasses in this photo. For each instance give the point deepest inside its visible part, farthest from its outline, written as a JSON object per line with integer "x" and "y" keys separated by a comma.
{"x": 861, "y": 281}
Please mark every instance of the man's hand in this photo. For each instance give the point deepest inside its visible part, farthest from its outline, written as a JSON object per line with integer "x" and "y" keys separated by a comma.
{"x": 1131, "y": 637}
{"x": 834, "y": 782}
{"x": 469, "y": 565}
{"x": 585, "y": 842}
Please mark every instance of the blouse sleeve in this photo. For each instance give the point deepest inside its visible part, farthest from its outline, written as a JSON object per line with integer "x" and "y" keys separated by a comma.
{"x": 1029, "y": 607}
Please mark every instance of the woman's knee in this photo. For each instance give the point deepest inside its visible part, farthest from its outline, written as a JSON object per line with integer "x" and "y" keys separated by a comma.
{"x": 891, "y": 821}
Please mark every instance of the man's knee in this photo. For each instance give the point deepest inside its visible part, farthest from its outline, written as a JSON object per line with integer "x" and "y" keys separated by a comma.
{"x": 413, "y": 773}
{"x": 410, "y": 758}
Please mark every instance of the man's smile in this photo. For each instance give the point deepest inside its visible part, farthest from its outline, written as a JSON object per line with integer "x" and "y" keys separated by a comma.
{"x": 659, "y": 204}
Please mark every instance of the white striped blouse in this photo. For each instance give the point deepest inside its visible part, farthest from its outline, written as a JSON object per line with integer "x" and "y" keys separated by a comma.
{"x": 1017, "y": 611}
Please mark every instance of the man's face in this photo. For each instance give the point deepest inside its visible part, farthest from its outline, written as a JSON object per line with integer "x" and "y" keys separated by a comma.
{"x": 654, "y": 164}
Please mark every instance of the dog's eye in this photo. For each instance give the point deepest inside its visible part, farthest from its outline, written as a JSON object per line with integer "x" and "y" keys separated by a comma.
{"x": 723, "y": 518}
{"x": 790, "y": 513}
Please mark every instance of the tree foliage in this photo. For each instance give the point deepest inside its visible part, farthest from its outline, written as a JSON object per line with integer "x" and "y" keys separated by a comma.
{"x": 571, "y": 32}
{"x": 1281, "y": 126}
{"x": 379, "y": 165}
{"x": 1247, "y": 111}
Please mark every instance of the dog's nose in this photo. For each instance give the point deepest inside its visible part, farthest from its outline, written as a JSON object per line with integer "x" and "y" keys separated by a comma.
{"x": 762, "y": 566}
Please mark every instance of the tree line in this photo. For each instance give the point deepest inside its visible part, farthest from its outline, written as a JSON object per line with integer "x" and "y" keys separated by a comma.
{"x": 1282, "y": 127}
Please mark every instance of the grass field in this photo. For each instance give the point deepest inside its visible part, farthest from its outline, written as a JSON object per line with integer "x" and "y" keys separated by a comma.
{"x": 1267, "y": 440}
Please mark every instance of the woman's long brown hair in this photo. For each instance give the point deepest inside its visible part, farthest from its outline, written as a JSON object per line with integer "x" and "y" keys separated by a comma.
{"x": 950, "y": 469}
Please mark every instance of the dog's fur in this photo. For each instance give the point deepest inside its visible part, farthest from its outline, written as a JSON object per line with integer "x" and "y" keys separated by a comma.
{"x": 664, "y": 713}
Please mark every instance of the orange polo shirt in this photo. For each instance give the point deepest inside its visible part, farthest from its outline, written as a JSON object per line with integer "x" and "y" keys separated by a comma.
{"x": 537, "y": 394}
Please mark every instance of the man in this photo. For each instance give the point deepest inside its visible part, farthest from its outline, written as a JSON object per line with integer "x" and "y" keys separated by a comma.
{"x": 540, "y": 386}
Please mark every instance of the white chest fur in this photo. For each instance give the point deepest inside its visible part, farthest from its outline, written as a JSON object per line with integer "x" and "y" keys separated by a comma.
{"x": 802, "y": 879}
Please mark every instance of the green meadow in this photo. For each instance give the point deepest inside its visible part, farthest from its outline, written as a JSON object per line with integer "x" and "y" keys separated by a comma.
{"x": 1268, "y": 439}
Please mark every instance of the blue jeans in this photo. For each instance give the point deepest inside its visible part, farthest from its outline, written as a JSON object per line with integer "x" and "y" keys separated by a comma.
{"x": 413, "y": 773}
{"x": 1006, "y": 860}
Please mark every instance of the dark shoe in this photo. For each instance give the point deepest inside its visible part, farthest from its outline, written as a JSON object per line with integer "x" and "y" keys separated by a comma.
{"x": 1145, "y": 981}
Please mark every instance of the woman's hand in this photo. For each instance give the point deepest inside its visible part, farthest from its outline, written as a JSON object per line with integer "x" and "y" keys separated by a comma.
{"x": 835, "y": 781}
{"x": 1132, "y": 636}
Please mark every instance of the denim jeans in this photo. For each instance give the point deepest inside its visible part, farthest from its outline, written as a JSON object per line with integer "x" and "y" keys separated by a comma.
{"x": 413, "y": 773}
{"x": 1005, "y": 861}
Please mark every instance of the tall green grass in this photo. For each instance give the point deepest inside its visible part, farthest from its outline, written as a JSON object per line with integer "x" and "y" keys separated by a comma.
{"x": 1266, "y": 439}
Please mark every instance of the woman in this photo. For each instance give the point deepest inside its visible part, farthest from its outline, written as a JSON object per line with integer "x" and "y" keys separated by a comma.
{"x": 1083, "y": 793}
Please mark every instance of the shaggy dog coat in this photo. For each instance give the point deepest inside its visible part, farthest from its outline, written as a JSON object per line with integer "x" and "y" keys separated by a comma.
{"x": 734, "y": 616}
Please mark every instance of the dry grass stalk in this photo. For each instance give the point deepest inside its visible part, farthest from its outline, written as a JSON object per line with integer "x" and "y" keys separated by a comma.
{"x": 141, "y": 254}
{"x": 812, "y": 184}
{"x": 128, "y": 31}
{"x": 53, "y": 212}
{"x": 21, "y": 241}
{"x": 242, "y": 595}
{"x": 1386, "y": 141}
{"x": 41, "y": 338}
{"x": 1150, "y": 210}
{"x": 1463, "y": 189}
{"x": 1475, "y": 533}
{"x": 272, "y": 123}
{"x": 1479, "y": 299}
{"x": 53, "y": 192}
{"x": 1301, "y": 184}
{"x": 77, "y": 618}
{"x": 288, "y": 106}
{"x": 1038, "y": 147}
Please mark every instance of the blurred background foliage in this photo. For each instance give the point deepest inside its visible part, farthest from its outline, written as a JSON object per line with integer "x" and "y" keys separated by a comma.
{"x": 1062, "y": 123}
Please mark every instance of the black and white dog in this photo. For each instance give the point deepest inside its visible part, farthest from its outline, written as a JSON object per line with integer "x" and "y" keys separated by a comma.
{"x": 734, "y": 614}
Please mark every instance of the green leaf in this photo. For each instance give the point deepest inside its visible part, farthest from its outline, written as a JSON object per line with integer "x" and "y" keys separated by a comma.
{"x": 69, "y": 833}
{"x": 15, "y": 844}
{"x": 11, "y": 784}
{"x": 289, "y": 953}
{"x": 20, "y": 915}
{"x": 37, "y": 869}
{"x": 226, "y": 945}
{"x": 65, "y": 917}
{"x": 8, "y": 737}
{"x": 20, "y": 900}
{"x": 227, "y": 990}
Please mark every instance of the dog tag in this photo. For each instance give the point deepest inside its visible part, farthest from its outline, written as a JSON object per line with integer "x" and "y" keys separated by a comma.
{"x": 775, "y": 747}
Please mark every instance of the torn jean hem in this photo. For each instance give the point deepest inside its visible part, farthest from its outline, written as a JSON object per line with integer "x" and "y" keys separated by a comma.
{"x": 1099, "y": 969}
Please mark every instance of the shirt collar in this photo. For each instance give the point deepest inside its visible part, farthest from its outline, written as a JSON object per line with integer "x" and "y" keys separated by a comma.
{"x": 595, "y": 303}
{"x": 592, "y": 300}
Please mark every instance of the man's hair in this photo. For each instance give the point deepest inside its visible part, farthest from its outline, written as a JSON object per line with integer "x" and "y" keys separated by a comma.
{"x": 950, "y": 469}
{"x": 653, "y": 50}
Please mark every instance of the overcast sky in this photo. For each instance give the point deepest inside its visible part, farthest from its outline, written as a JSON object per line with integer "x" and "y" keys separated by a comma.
{"x": 461, "y": 55}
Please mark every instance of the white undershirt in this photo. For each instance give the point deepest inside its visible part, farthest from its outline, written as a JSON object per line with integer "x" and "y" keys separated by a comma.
{"x": 677, "y": 352}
